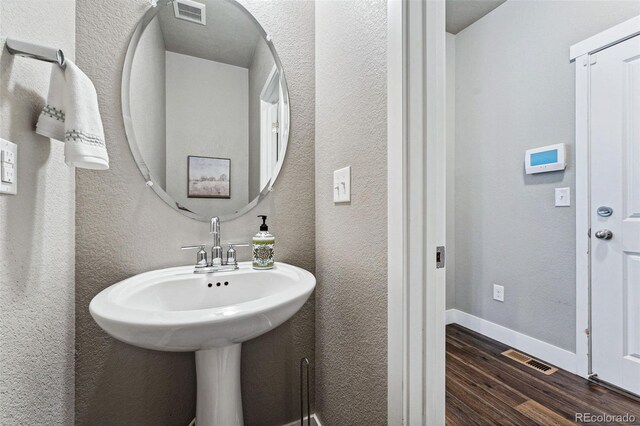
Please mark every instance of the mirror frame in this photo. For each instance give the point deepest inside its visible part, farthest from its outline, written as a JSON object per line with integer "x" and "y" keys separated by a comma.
{"x": 130, "y": 132}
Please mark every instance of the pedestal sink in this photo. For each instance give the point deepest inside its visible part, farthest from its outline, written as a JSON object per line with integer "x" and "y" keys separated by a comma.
{"x": 210, "y": 314}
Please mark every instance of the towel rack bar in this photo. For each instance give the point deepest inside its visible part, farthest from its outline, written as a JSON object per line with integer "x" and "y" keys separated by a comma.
{"x": 35, "y": 51}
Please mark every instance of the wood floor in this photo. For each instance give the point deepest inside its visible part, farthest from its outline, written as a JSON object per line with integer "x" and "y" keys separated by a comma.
{"x": 487, "y": 388}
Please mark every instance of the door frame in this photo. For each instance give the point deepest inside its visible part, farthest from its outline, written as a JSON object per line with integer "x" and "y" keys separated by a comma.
{"x": 416, "y": 215}
{"x": 580, "y": 54}
{"x": 269, "y": 144}
{"x": 416, "y": 154}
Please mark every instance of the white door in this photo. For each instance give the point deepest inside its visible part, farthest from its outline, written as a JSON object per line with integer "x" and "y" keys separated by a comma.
{"x": 615, "y": 184}
{"x": 269, "y": 140}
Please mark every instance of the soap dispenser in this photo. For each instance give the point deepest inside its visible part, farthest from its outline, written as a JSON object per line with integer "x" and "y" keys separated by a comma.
{"x": 263, "y": 247}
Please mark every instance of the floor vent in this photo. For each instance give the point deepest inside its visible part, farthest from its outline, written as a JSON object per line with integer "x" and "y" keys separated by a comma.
{"x": 530, "y": 362}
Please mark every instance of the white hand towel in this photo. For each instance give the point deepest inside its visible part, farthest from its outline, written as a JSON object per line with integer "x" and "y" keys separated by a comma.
{"x": 83, "y": 133}
{"x": 51, "y": 120}
{"x": 84, "y": 136}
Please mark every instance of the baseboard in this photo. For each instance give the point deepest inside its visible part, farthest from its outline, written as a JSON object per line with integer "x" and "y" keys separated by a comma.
{"x": 451, "y": 316}
{"x": 314, "y": 422}
{"x": 559, "y": 357}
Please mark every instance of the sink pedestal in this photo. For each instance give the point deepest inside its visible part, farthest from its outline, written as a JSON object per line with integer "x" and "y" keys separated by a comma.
{"x": 219, "y": 401}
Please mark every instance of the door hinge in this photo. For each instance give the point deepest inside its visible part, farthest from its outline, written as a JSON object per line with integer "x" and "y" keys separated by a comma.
{"x": 440, "y": 255}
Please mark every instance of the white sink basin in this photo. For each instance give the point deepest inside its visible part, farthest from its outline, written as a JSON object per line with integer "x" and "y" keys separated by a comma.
{"x": 176, "y": 310}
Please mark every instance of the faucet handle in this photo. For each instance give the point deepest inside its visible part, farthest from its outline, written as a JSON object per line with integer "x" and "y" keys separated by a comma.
{"x": 231, "y": 252}
{"x": 201, "y": 256}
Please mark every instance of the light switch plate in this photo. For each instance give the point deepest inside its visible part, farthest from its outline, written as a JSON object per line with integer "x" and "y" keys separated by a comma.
{"x": 8, "y": 167}
{"x": 563, "y": 197}
{"x": 342, "y": 185}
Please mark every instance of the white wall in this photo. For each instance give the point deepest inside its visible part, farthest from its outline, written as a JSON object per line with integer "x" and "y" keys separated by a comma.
{"x": 514, "y": 91}
{"x": 207, "y": 115}
{"x": 37, "y": 247}
{"x": 148, "y": 101}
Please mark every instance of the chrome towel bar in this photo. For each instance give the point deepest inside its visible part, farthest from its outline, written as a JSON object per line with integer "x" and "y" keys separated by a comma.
{"x": 35, "y": 51}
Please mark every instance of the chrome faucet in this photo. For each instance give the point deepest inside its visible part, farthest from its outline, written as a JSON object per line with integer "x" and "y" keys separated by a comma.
{"x": 217, "y": 264}
{"x": 216, "y": 250}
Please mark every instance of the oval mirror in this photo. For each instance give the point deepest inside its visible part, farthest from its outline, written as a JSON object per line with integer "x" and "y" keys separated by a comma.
{"x": 205, "y": 106}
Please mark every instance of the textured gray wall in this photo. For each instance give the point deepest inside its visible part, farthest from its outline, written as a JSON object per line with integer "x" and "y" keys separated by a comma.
{"x": 36, "y": 230}
{"x": 123, "y": 229}
{"x": 514, "y": 91}
{"x": 351, "y": 261}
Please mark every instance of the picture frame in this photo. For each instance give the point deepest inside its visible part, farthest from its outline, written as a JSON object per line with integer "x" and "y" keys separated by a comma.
{"x": 208, "y": 177}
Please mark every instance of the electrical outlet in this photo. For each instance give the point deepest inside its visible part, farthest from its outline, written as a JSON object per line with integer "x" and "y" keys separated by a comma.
{"x": 498, "y": 293}
{"x": 563, "y": 197}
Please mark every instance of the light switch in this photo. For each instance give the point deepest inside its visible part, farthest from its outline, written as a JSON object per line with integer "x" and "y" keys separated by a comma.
{"x": 8, "y": 167}
{"x": 8, "y": 156}
{"x": 342, "y": 185}
{"x": 563, "y": 197}
{"x": 7, "y": 173}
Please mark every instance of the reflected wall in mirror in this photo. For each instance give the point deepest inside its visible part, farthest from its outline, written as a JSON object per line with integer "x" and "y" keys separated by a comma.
{"x": 203, "y": 90}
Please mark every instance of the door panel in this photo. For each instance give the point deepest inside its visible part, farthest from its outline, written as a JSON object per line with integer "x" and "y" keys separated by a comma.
{"x": 632, "y": 313}
{"x": 615, "y": 182}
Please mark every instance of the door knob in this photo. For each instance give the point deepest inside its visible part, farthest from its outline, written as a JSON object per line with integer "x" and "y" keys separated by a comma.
{"x": 604, "y": 234}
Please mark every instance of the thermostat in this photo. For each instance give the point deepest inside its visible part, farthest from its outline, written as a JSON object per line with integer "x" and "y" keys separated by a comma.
{"x": 546, "y": 159}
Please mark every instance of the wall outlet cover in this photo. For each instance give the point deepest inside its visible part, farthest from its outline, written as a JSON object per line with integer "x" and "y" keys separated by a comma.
{"x": 498, "y": 293}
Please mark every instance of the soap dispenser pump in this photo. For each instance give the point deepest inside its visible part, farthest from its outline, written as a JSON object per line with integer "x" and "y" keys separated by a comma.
{"x": 263, "y": 247}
